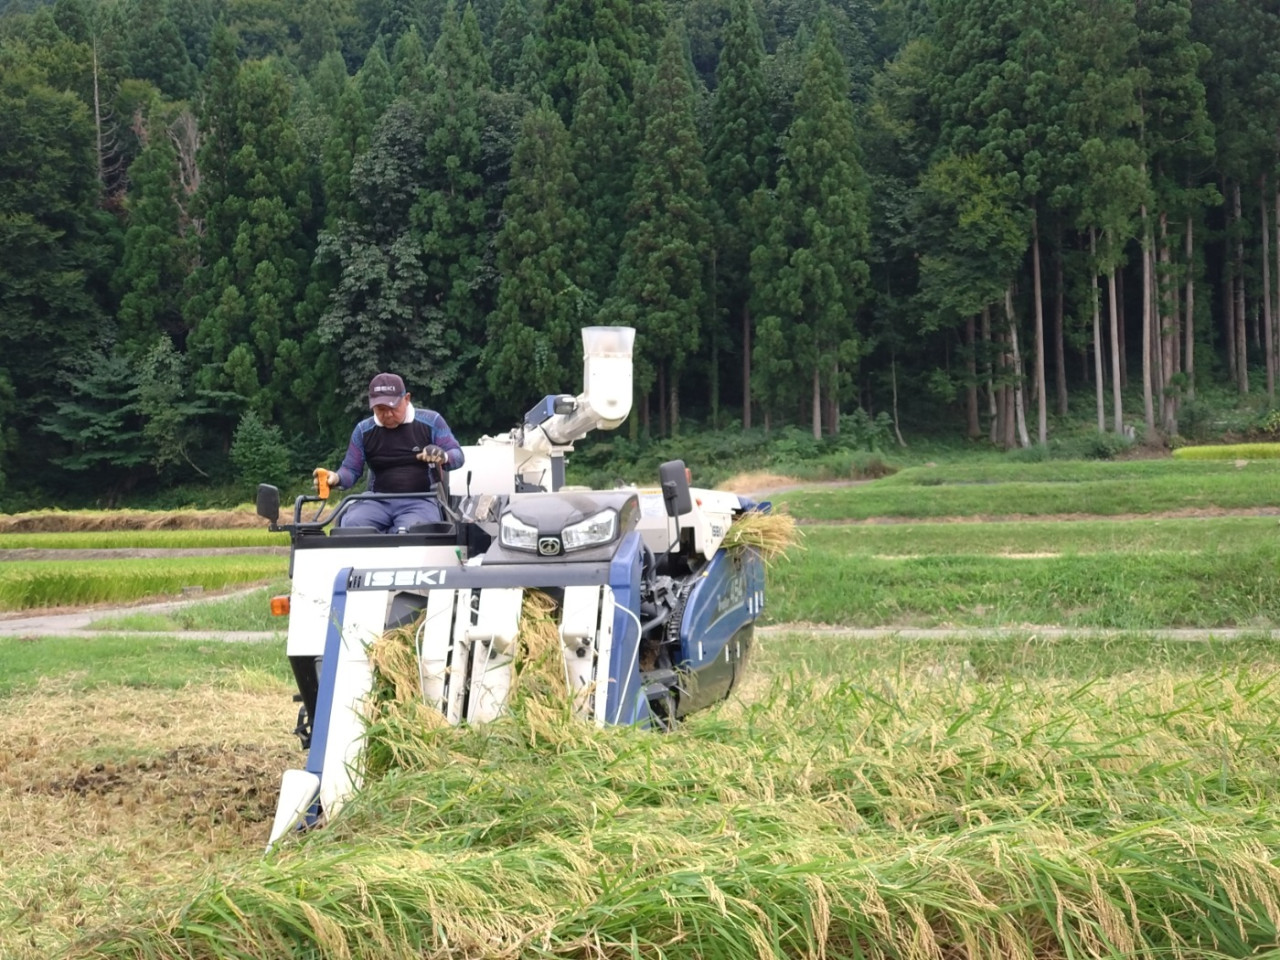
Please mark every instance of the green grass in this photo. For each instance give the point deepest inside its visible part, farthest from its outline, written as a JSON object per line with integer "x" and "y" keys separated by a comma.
{"x": 47, "y": 583}
{"x": 143, "y": 539}
{"x": 246, "y": 612}
{"x": 1212, "y": 534}
{"x": 1226, "y": 587}
{"x": 102, "y": 663}
{"x": 1084, "y": 489}
{"x": 1230, "y": 451}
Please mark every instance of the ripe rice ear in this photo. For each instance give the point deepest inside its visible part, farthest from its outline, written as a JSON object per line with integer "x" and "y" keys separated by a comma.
{"x": 773, "y": 534}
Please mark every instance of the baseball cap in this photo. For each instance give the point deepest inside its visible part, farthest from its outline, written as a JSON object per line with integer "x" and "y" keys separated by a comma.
{"x": 385, "y": 389}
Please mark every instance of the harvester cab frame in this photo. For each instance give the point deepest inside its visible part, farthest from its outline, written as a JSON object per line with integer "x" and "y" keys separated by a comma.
{"x": 654, "y": 616}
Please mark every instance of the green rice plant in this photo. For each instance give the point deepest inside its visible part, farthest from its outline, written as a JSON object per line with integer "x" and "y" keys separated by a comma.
{"x": 1064, "y": 471}
{"x": 144, "y": 539}
{"x": 1027, "y": 538}
{"x": 881, "y": 813}
{"x": 1230, "y": 451}
{"x": 1226, "y": 487}
{"x": 1221, "y": 587}
{"x": 48, "y": 583}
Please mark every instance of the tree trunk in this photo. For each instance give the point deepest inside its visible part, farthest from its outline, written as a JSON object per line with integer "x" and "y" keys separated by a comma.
{"x": 971, "y": 393}
{"x": 1117, "y": 412}
{"x": 1228, "y": 288}
{"x": 746, "y": 367}
{"x": 1097, "y": 332}
{"x": 1148, "y": 412}
{"x": 662, "y": 399}
{"x": 1269, "y": 334}
{"x": 893, "y": 382}
{"x": 817, "y": 403}
{"x": 1059, "y": 342}
{"x": 1189, "y": 307}
{"x": 987, "y": 364}
{"x": 97, "y": 122}
{"x": 674, "y": 408}
{"x": 1042, "y": 400}
{"x": 1019, "y": 407}
{"x": 1168, "y": 332}
{"x": 833, "y": 402}
{"x": 1242, "y": 347}
{"x": 1124, "y": 353}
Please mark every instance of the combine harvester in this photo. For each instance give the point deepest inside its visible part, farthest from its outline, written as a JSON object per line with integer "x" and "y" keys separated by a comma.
{"x": 655, "y": 615}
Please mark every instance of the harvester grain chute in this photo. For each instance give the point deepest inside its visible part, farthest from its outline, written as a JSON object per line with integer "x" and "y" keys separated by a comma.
{"x": 655, "y": 615}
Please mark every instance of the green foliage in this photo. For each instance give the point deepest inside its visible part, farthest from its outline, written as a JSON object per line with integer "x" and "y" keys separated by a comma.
{"x": 51, "y": 583}
{"x": 533, "y": 346}
{"x": 259, "y": 453}
{"x": 809, "y": 271}
{"x": 660, "y": 288}
{"x": 1230, "y": 451}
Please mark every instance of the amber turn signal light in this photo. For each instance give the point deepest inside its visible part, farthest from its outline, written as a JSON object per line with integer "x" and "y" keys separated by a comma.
{"x": 279, "y": 606}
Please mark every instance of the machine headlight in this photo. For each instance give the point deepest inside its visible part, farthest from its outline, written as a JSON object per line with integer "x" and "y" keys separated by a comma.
{"x": 516, "y": 534}
{"x": 597, "y": 529}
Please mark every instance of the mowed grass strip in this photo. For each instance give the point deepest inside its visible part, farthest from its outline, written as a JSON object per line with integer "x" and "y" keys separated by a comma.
{"x": 143, "y": 539}
{"x": 1083, "y": 490}
{"x": 52, "y": 583}
{"x": 1233, "y": 585}
{"x": 1033, "y": 537}
{"x": 894, "y": 807}
{"x": 246, "y": 612}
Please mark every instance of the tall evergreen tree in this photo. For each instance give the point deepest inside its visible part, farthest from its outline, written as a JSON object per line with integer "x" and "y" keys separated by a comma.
{"x": 50, "y": 242}
{"x": 514, "y": 27}
{"x": 625, "y": 33}
{"x": 810, "y": 270}
{"x": 661, "y": 284}
{"x": 599, "y": 141}
{"x": 256, "y": 262}
{"x": 533, "y": 333}
{"x": 739, "y": 162}
{"x": 157, "y": 256}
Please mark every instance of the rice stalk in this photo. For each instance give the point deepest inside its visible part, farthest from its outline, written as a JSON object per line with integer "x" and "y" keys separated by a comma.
{"x": 772, "y": 534}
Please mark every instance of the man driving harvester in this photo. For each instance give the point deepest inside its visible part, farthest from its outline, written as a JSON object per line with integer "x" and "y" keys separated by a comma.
{"x": 403, "y": 447}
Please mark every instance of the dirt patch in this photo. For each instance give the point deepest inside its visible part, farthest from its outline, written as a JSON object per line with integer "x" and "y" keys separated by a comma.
{"x": 108, "y": 795}
{"x": 88, "y": 521}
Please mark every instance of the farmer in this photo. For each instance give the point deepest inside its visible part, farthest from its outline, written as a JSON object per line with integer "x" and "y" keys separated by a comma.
{"x": 404, "y": 447}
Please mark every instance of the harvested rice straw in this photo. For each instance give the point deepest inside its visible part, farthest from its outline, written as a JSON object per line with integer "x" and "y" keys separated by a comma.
{"x": 539, "y": 661}
{"x": 773, "y": 534}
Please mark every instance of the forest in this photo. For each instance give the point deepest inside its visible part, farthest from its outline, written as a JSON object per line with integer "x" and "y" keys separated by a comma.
{"x": 218, "y": 218}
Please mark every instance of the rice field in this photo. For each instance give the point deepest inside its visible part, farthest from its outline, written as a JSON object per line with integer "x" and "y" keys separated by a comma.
{"x": 977, "y": 796}
{"x": 1008, "y": 798}
{"x": 55, "y": 583}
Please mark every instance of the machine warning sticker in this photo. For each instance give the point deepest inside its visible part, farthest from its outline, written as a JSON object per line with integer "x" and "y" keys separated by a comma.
{"x": 652, "y": 505}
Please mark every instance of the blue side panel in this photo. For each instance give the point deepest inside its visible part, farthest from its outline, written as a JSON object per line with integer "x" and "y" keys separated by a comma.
{"x": 726, "y": 598}
{"x": 328, "y": 674}
{"x": 626, "y": 703}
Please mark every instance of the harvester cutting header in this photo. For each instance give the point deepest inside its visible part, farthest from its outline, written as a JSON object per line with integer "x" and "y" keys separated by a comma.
{"x": 654, "y": 614}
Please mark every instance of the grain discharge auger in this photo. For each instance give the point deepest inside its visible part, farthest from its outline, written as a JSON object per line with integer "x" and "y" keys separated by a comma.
{"x": 655, "y": 616}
